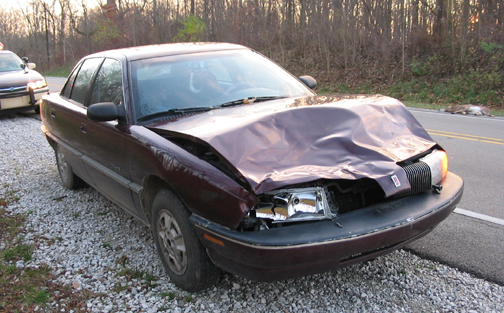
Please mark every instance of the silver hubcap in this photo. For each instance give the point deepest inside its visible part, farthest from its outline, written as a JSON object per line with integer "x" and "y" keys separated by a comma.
{"x": 172, "y": 242}
{"x": 62, "y": 164}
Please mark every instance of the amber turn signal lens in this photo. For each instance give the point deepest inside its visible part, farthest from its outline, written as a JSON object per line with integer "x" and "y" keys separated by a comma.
{"x": 212, "y": 239}
{"x": 445, "y": 163}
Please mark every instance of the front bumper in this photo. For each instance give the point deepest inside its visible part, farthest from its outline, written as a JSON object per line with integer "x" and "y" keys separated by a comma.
{"x": 21, "y": 101}
{"x": 317, "y": 247}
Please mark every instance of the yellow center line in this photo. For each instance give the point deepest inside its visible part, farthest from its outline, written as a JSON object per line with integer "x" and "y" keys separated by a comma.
{"x": 495, "y": 141}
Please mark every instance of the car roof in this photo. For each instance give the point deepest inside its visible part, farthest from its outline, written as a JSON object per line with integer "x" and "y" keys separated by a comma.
{"x": 142, "y": 52}
{"x": 7, "y": 52}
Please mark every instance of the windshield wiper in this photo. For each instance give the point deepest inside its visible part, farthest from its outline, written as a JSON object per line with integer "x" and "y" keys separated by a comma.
{"x": 190, "y": 110}
{"x": 175, "y": 111}
{"x": 249, "y": 100}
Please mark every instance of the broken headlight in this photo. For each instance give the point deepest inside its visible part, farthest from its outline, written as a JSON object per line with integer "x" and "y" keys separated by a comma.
{"x": 294, "y": 205}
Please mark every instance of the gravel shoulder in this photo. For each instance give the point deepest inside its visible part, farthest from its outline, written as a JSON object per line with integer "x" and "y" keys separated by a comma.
{"x": 94, "y": 246}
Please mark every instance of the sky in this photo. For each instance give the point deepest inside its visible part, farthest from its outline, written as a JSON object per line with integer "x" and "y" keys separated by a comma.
{"x": 16, "y": 4}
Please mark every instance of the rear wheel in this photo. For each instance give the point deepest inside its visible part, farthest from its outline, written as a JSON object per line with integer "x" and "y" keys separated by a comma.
{"x": 68, "y": 179}
{"x": 184, "y": 257}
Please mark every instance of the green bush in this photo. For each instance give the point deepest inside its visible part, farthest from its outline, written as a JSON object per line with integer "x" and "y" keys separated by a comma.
{"x": 194, "y": 29}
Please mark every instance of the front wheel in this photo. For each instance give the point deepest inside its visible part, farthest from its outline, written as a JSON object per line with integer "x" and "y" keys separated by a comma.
{"x": 184, "y": 258}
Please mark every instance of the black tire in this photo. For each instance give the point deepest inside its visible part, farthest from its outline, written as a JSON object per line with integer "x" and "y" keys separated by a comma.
{"x": 68, "y": 178}
{"x": 184, "y": 257}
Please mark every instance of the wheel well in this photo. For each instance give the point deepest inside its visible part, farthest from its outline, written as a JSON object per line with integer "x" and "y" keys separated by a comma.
{"x": 51, "y": 142}
{"x": 151, "y": 186}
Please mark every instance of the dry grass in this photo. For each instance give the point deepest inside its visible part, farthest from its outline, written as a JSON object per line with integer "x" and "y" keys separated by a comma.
{"x": 28, "y": 289}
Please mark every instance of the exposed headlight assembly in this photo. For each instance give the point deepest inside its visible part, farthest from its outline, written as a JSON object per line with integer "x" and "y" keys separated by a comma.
{"x": 294, "y": 205}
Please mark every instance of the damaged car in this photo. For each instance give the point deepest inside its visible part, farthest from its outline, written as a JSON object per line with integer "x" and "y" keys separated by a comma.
{"x": 21, "y": 87}
{"x": 237, "y": 165}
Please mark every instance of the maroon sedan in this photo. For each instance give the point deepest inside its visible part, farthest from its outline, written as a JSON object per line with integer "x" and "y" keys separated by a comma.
{"x": 235, "y": 164}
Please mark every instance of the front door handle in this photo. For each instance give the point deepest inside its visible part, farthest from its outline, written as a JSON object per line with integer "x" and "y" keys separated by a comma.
{"x": 83, "y": 128}
{"x": 53, "y": 112}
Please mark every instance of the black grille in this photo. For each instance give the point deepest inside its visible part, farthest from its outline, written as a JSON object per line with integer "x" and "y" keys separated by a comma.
{"x": 353, "y": 195}
{"x": 419, "y": 176}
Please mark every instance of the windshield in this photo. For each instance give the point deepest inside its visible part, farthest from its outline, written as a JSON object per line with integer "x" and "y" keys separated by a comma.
{"x": 208, "y": 80}
{"x": 9, "y": 62}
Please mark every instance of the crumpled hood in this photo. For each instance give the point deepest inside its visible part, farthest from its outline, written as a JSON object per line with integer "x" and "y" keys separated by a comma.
{"x": 278, "y": 143}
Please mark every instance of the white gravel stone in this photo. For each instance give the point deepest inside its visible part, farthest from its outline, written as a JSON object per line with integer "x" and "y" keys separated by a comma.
{"x": 88, "y": 241}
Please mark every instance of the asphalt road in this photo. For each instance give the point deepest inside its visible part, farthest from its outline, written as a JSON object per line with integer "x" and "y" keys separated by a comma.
{"x": 55, "y": 83}
{"x": 475, "y": 147}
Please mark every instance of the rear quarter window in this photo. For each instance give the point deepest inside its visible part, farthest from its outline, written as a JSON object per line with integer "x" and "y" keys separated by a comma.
{"x": 65, "y": 92}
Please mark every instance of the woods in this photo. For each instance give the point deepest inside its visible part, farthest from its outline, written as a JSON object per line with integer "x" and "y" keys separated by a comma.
{"x": 400, "y": 47}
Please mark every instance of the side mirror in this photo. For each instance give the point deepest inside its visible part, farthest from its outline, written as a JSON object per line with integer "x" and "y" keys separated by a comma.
{"x": 308, "y": 81}
{"x": 105, "y": 111}
{"x": 27, "y": 63}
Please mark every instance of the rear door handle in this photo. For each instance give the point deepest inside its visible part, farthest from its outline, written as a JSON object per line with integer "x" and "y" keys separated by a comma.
{"x": 83, "y": 128}
{"x": 53, "y": 112}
